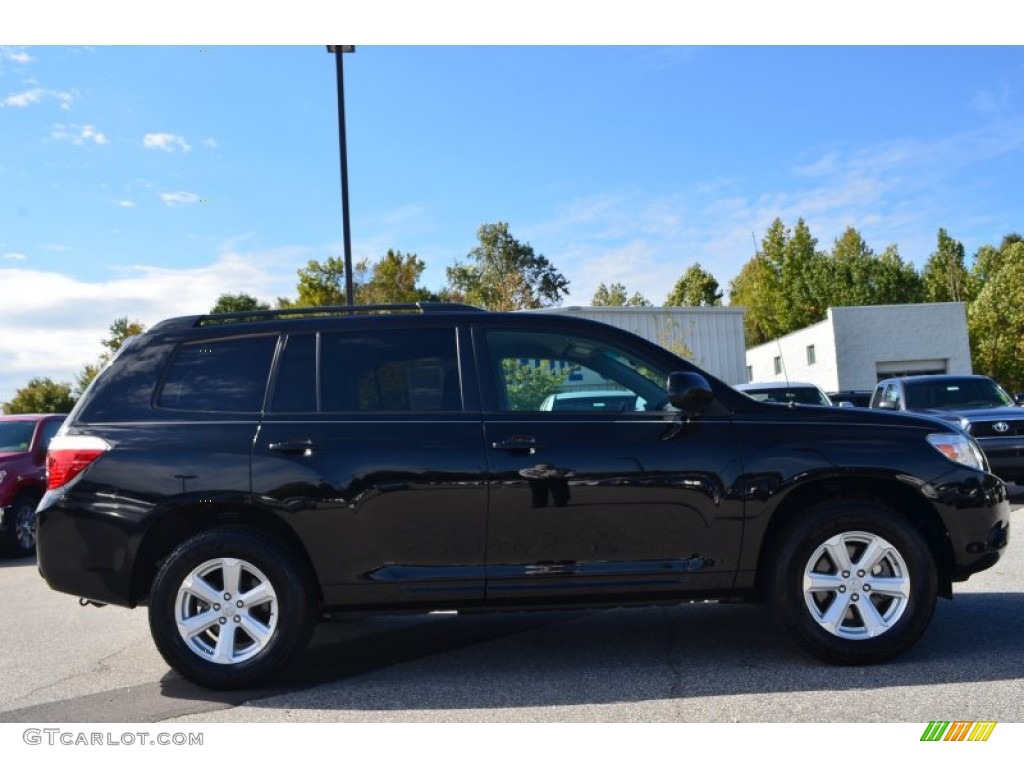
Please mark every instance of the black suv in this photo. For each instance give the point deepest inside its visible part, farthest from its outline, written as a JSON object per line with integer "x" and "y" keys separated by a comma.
{"x": 975, "y": 403}
{"x": 243, "y": 474}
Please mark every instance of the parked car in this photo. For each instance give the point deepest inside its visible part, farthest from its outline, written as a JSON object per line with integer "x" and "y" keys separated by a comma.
{"x": 975, "y": 403}
{"x": 787, "y": 392}
{"x": 605, "y": 400}
{"x": 23, "y": 441}
{"x": 242, "y": 474}
{"x": 857, "y": 398}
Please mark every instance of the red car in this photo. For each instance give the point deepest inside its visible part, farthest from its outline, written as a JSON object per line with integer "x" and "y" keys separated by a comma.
{"x": 23, "y": 442}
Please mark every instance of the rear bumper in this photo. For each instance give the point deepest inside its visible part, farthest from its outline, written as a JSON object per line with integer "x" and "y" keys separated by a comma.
{"x": 84, "y": 555}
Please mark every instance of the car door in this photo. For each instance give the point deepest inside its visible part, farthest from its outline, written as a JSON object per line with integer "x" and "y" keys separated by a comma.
{"x": 621, "y": 497}
{"x": 371, "y": 451}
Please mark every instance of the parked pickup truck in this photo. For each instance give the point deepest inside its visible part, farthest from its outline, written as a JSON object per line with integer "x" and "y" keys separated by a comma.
{"x": 23, "y": 442}
{"x": 975, "y": 403}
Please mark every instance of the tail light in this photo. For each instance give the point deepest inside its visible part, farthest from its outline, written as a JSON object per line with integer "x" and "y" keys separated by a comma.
{"x": 69, "y": 455}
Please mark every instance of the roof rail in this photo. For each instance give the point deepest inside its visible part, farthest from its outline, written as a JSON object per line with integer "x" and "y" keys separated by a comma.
{"x": 329, "y": 311}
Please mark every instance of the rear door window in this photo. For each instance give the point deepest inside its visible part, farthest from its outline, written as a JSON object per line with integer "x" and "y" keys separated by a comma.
{"x": 391, "y": 370}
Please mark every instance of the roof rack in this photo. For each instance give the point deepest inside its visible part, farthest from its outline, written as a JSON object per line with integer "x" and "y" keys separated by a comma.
{"x": 329, "y": 311}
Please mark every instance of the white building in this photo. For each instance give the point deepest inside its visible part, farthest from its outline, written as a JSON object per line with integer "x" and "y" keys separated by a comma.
{"x": 855, "y": 347}
{"x": 710, "y": 337}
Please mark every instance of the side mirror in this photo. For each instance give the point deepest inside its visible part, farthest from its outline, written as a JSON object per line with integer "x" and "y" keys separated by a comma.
{"x": 844, "y": 404}
{"x": 689, "y": 392}
{"x": 1019, "y": 397}
{"x": 887, "y": 405}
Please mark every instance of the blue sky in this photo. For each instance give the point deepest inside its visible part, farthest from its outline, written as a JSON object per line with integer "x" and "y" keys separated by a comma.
{"x": 144, "y": 181}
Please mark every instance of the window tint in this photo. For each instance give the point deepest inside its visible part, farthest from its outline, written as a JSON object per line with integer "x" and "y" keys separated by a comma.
{"x": 295, "y": 388}
{"x": 224, "y": 375}
{"x": 401, "y": 370}
{"x": 537, "y": 371}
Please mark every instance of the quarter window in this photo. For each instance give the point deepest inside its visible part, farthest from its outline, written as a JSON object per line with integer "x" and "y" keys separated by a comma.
{"x": 221, "y": 375}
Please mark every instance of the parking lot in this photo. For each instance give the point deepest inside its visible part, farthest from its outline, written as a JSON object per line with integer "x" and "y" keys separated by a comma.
{"x": 704, "y": 662}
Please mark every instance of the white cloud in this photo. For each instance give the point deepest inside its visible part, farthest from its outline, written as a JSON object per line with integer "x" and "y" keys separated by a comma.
{"x": 36, "y": 95}
{"x": 16, "y": 54}
{"x": 179, "y": 198}
{"x": 210, "y": 143}
{"x": 67, "y": 317}
{"x": 77, "y": 134}
{"x": 166, "y": 142}
{"x": 15, "y": 257}
{"x": 126, "y": 204}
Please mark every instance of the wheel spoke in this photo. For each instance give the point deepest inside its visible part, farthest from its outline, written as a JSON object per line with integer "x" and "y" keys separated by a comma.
{"x": 261, "y": 593}
{"x": 836, "y": 550}
{"x": 874, "y": 552}
{"x": 232, "y": 570}
{"x": 832, "y": 619}
{"x": 257, "y": 630}
{"x": 822, "y": 582}
{"x": 194, "y": 625}
{"x": 890, "y": 586}
{"x": 224, "y": 652}
{"x": 197, "y": 585}
{"x": 874, "y": 623}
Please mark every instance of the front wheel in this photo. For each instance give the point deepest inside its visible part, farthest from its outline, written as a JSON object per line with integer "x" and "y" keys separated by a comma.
{"x": 230, "y": 607}
{"x": 853, "y": 583}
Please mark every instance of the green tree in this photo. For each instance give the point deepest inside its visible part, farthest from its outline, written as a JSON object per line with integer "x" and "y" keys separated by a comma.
{"x": 944, "y": 274}
{"x": 394, "y": 279}
{"x": 237, "y": 302}
{"x": 615, "y": 295}
{"x": 895, "y": 281}
{"x": 756, "y": 289}
{"x": 802, "y": 278}
{"x": 120, "y": 330}
{"x": 41, "y": 395}
{"x": 504, "y": 274}
{"x": 996, "y": 321}
{"x": 696, "y": 288}
{"x": 528, "y": 384}
{"x": 850, "y": 266}
{"x": 321, "y": 284}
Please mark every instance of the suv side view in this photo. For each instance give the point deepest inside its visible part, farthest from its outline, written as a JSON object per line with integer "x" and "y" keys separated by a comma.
{"x": 243, "y": 474}
{"x": 975, "y": 403}
{"x": 23, "y": 441}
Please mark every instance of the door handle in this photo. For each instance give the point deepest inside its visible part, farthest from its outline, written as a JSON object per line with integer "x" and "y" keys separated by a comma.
{"x": 518, "y": 444}
{"x": 304, "y": 447}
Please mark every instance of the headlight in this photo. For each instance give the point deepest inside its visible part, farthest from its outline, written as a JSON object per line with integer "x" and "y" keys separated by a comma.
{"x": 961, "y": 449}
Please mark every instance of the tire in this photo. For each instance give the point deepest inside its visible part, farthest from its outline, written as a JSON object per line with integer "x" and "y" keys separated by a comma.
{"x": 853, "y": 583}
{"x": 230, "y": 608}
{"x": 20, "y": 536}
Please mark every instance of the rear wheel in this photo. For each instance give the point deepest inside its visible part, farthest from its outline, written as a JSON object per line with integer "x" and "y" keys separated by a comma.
{"x": 853, "y": 583}
{"x": 20, "y": 537}
{"x": 230, "y": 607}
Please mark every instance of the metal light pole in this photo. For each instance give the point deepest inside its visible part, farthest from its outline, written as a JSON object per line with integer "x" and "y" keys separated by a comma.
{"x": 339, "y": 51}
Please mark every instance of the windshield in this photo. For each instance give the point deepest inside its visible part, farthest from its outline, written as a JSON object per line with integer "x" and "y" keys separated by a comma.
{"x": 955, "y": 394}
{"x": 805, "y": 395}
{"x": 16, "y": 436}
